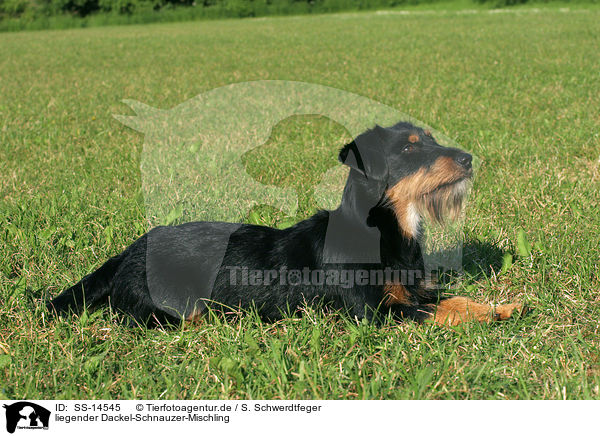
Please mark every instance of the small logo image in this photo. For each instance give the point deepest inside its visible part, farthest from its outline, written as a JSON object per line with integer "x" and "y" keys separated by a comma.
{"x": 26, "y": 415}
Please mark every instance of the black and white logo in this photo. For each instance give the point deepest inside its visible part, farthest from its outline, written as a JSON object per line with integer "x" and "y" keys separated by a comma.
{"x": 26, "y": 415}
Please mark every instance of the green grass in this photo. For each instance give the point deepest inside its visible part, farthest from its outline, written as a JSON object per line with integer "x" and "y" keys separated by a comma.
{"x": 519, "y": 90}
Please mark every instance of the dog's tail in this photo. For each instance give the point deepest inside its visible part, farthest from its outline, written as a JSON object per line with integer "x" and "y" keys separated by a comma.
{"x": 92, "y": 290}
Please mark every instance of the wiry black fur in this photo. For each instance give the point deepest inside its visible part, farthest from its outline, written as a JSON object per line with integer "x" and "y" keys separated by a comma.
{"x": 378, "y": 159}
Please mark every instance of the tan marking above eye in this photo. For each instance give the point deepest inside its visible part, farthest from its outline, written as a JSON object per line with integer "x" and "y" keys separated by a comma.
{"x": 413, "y": 138}
{"x": 428, "y": 132}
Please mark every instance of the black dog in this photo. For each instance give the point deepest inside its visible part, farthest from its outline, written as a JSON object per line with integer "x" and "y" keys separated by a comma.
{"x": 363, "y": 257}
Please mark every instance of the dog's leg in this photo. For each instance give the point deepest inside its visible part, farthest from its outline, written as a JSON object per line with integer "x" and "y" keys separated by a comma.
{"x": 455, "y": 310}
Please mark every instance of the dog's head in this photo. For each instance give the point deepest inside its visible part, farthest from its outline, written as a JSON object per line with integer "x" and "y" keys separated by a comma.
{"x": 411, "y": 172}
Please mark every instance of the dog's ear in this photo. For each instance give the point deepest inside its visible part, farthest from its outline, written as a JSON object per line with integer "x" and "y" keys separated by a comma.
{"x": 350, "y": 156}
{"x": 365, "y": 154}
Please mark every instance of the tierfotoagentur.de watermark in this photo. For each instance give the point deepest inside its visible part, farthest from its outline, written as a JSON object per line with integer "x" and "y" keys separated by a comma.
{"x": 345, "y": 278}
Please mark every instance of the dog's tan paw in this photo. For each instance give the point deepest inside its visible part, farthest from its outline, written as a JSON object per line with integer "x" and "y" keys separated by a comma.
{"x": 506, "y": 311}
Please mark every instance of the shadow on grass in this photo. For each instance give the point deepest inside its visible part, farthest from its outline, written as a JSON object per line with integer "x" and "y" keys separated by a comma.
{"x": 479, "y": 260}
{"x": 482, "y": 258}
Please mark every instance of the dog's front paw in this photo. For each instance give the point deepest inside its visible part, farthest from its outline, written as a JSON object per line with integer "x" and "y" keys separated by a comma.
{"x": 506, "y": 311}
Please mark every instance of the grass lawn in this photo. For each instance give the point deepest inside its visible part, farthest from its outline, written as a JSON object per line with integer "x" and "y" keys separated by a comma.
{"x": 519, "y": 89}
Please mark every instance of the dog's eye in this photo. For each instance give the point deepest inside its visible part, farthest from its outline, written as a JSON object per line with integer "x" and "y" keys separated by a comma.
{"x": 408, "y": 148}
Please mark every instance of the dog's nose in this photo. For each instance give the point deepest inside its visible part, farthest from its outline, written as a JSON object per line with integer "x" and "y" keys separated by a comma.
{"x": 464, "y": 159}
